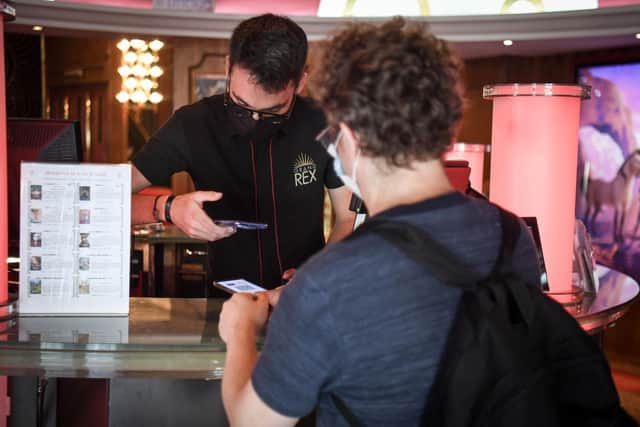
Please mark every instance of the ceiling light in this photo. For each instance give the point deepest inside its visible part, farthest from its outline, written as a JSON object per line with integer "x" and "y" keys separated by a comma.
{"x": 638, "y": 35}
{"x": 139, "y": 70}
{"x": 36, "y": 28}
{"x": 507, "y": 42}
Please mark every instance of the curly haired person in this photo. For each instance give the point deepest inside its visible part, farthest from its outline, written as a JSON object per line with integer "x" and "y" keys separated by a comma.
{"x": 360, "y": 320}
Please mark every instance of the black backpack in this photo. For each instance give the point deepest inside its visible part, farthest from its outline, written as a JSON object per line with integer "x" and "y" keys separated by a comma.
{"x": 514, "y": 357}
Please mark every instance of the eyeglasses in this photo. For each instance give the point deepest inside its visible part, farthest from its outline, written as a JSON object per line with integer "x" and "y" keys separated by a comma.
{"x": 249, "y": 113}
{"x": 329, "y": 138}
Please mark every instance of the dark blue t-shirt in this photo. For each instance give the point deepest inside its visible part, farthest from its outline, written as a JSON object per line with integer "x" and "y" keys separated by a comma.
{"x": 363, "y": 321}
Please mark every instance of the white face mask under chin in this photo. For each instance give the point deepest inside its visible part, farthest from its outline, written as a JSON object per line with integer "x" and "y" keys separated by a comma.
{"x": 349, "y": 181}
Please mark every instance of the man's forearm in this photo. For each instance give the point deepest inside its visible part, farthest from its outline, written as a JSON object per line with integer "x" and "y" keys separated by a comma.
{"x": 240, "y": 360}
{"x": 341, "y": 229}
{"x": 142, "y": 208}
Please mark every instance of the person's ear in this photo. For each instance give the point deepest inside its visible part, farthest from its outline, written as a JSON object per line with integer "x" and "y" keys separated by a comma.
{"x": 302, "y": 83}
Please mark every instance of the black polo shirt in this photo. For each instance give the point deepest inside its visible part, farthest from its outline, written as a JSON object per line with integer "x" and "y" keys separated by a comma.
{"x": 278, "y": 181}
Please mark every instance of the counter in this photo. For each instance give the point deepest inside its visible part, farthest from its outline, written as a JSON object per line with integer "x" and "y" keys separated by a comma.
{"x": 155, "y": 354}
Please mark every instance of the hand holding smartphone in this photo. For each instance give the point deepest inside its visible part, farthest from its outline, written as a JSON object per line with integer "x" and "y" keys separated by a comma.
{"x": 238, "y": 286}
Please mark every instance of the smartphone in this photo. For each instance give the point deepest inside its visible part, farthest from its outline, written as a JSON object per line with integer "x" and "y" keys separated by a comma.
{"x": 238, "y": 286}
{"x": 241, "y": 225}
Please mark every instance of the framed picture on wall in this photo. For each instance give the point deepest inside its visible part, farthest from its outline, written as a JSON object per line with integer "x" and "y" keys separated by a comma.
{"x": 207, "y": 77}
{"x": 205, "y": 85}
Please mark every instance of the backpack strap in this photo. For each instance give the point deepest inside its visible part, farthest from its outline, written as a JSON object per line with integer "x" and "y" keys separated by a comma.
{"x": 510, "y": 235}
{"x": 504, "y": 265}
{"x": 352, "y": 420}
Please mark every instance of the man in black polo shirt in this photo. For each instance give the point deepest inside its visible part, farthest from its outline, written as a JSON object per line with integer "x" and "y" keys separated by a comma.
{"x": 252, "y": 155}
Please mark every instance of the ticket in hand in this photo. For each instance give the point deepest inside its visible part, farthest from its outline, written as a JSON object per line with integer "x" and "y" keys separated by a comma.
{"x": 238, "y": 285}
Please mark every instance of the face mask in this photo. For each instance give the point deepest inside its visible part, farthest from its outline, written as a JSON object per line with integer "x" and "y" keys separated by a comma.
{"x": 247, "y": 127}
{"x": 264, "y": 130}
{"x": 349, "y": 181}
{"x": 244, "y": 125}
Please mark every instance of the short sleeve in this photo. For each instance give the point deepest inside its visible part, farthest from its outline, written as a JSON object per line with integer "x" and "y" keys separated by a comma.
{"x": 164, "y": 154}
{"x": 297, "y": 357}
{"x": 331, "y": 180}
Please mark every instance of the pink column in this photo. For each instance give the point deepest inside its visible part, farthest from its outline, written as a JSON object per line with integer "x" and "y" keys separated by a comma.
{"x": 534, "y": 155}
{"x": 4, "y": 398}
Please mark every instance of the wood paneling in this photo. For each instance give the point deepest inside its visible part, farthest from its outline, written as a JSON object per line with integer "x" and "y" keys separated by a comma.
{"x": 78, "y": 69}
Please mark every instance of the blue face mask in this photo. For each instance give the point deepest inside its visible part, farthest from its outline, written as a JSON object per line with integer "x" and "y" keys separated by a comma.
{"x": 349, "y": 181}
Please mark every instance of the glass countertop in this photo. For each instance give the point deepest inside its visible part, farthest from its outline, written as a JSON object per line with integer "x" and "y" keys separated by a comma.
{"x": 153, "y": 324}
{"x": 178, "y": 337}
{"x": 616, "y": 293}
{"x": 167, "y": 337}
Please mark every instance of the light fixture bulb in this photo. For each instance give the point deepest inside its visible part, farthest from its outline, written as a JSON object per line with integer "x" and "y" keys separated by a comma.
{"x": 122, "y": 96}
{"x": 124, "y": 70}
{"x": 130, "y": 57}
{"x": 139, "y": 71}
{"x": 155, "y": 45}
{"x": 139, "y": 97}
{"x": 139, "y": 44}
{"x": 155, "y": 97}
{"x": 156, "y": 71}
{"x": 131, "y": 83}
{"x": 123, "y": 45}
{"x": 146, "y": 58}
{"x": 37, "y": 28}
{"x": 507, "y": 42}
{"x": 146, "y": 84}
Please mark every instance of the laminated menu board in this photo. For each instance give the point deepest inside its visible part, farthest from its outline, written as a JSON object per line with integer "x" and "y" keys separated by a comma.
{"x": 75, "y": 241}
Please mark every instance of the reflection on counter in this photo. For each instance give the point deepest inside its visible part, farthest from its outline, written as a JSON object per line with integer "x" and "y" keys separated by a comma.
{"x": 76, "y": 330}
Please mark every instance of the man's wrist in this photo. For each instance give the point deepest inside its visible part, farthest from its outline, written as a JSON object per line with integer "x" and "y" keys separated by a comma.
{"x": 242, "y": 337}
{"x": 156, "y": 211}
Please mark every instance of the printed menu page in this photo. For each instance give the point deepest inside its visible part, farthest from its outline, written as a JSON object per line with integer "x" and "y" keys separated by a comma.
{"x": 75, "y": 241}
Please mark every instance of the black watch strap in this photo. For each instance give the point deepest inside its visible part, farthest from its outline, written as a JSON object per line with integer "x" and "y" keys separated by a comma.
{"x": 167, "y": 208}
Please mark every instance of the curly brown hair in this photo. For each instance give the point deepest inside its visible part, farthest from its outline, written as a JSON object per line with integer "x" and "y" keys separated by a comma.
{"x": 396, "y": 85}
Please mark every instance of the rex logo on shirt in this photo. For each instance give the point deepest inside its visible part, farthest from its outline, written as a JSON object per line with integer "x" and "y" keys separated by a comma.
{"x": 304, "y": 170}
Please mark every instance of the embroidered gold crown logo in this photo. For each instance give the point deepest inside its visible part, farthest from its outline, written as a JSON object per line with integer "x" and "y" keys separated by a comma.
{"x": 303, "y": 160}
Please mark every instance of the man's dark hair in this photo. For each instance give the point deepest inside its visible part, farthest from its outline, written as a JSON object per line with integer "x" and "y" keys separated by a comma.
{"x": 272, "y": 48}
{"x": 396, "y": 85}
